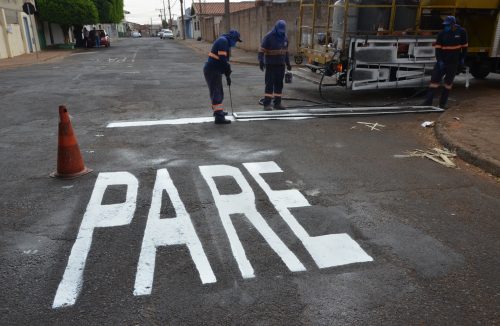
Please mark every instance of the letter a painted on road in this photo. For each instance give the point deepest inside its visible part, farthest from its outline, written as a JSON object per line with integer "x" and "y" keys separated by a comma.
{"x": 327, "y": 250}
{"x": 168, "y": 231}
{"x": 96, "y": 216}
{"x": 244, "y": 203}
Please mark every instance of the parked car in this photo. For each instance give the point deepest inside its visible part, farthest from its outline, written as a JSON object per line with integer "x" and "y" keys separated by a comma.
{"x": 136, "y": 34}
{"x": 168, "y": 34}
{"x": 104, "y": 37}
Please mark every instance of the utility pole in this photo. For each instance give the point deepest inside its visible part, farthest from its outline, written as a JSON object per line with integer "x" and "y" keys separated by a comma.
{"x": 227, "y": 19}
{"x": 182, "y": 21}
{"x": 169, "y": 13}
{"x": 163, "y": 16}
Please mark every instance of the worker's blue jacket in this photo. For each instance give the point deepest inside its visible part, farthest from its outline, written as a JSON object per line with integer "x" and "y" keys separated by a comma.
{"x": 218, "y": 57}
{"x": 451, "y": 46}
{"x": 274, "y": 48}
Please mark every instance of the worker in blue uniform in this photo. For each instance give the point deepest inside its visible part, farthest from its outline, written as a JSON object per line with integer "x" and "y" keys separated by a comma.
{"x": 451, "y": 49}
{"x": 216, "y": 66}
{"x": 273, "y": 57}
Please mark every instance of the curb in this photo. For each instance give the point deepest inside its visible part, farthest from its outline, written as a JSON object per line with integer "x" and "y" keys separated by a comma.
{"x": 465, "y": 153}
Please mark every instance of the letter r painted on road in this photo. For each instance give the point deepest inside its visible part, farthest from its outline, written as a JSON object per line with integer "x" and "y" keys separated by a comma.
{"x": 244, "y": 203}
{"x": 326, "y": 250}
{"x": 97, "y": 215}
{"x": 168, "y": 231}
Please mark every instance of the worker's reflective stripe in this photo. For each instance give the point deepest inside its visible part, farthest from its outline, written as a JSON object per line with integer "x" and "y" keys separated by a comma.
{"x": 217, "y": 107}
{"x": 274, "y": 52}
{"x": 222, "y": 53}
{"x": 277, "y": 95}
{"x": 268, "y": 95}
{"x": 452, "y": 47}
{"x": 434, "y": 85}
{"x": 448, "y": 86}
{"x": 214, "y": 56}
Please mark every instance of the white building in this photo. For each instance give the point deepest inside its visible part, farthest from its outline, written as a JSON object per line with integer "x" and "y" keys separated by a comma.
{"x": 18, "y": 32}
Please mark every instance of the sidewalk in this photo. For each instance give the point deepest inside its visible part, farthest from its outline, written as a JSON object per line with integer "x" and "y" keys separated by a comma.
{"x": 237, "y": 55}
{"x": 472, "y": 128}
{"x": 30, "y": 59}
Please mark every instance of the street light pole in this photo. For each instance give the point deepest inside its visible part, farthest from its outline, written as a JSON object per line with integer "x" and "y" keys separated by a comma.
{"x": 182, "y": 21}
{"x": 227, "y": 22}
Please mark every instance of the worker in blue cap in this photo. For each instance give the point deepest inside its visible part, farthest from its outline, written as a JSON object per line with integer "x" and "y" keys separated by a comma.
{"x": 451, "y": 49}
{"x": 216, "y": 66}
{"x": 273, "y": 57}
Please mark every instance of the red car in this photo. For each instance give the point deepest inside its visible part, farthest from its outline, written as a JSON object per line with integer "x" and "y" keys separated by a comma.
{"x": 103, "y": 37}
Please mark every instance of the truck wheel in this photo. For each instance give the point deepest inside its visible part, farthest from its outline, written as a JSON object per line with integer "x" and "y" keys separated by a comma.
{"x": 480, "y": 70}
{"x": 298, "y": 59}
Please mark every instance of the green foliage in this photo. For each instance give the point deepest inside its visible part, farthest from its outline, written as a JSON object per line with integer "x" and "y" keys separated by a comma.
{"x": 164, "y": 23}
{"x": 110, "y": 11}
{"x": 68, "y": 12}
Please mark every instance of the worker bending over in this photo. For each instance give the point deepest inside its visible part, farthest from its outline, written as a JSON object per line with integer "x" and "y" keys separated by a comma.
{"x": 273, "y": 56}
{"x": 216, "y": 66}
{"x": 451, "y": 49}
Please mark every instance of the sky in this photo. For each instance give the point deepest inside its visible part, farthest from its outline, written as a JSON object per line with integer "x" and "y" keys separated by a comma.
{"x": 142, "y": 11}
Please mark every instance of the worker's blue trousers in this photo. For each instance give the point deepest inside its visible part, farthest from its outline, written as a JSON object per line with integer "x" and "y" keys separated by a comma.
{"x": 214, "y": 82}
{"x": 274, "y": 83}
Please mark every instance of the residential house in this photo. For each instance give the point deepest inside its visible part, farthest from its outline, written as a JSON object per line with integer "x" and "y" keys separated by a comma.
{"x": 18, "y": 31}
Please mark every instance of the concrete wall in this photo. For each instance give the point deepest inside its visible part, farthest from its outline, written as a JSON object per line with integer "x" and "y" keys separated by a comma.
{"x": 3, "y": 49}
{"x": 254, "y": 23}
{"x": 16, "y": 40}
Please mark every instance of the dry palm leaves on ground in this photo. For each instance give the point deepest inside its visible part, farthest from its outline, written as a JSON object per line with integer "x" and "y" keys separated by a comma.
{"x": 441, "y": 156}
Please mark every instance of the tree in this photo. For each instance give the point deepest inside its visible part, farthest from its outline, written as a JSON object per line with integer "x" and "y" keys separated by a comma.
{"x": 67, "y": 13}
{"x": 110, "y": 11}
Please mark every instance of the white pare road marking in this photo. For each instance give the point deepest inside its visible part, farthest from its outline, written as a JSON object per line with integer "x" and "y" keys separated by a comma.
{"x": 326, "y": 250}
{"x": 244, "y": 203}
{"x": 168, "y": 231}
{"x": 96, "y": 215}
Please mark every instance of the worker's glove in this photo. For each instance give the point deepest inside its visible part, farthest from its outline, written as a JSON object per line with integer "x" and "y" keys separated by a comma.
{"x": 262, "y": 65}
{"x": 228, "y": 72}
{"x": 441, "y": 65}
{"x": 228, "y": 80}
{"x": 288, "y": 67}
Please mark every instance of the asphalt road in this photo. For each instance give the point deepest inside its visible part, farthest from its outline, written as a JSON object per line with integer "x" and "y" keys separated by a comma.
{"x": 361, "y": 237}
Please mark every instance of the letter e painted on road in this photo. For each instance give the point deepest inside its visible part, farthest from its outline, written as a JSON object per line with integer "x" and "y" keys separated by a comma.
{"x": 97, "y": 215}
{"x": 168, "y": 231}
{"x": 326, "y": 250}
{"x": 244, "y": 203}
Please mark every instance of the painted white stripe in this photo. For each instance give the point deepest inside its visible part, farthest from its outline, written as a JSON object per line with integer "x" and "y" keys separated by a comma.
{"x": 244, "y": 203}
{"x": 184, "y": 121}
{"x": 168, "y": 231}
{"x": 327, "y": 250}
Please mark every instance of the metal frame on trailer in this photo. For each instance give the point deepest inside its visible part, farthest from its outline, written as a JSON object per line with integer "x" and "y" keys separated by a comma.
{"x": 341, "y": 61}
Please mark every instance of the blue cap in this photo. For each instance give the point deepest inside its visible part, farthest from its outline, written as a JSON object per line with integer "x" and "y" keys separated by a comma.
{"x": 235, "y": 35}
{"x": 450, "y": 20}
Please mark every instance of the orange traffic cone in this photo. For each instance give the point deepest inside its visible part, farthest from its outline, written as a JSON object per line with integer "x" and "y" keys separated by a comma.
{"x": 69, "y": 159}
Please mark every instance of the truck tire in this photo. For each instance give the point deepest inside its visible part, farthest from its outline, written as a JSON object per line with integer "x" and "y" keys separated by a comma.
{"x": 480, "y": 70}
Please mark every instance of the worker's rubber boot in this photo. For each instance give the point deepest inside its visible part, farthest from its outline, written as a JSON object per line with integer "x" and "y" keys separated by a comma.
{"x": 268, "y": 107}
{"x": 429, "y": 97}
{"x": 220, "y": 118}
{"x": 279, "y": 106}
{"x": 444, "y": 98}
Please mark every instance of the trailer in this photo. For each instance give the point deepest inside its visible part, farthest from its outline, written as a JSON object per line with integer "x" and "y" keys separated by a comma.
{"x": 376, "y": 44}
